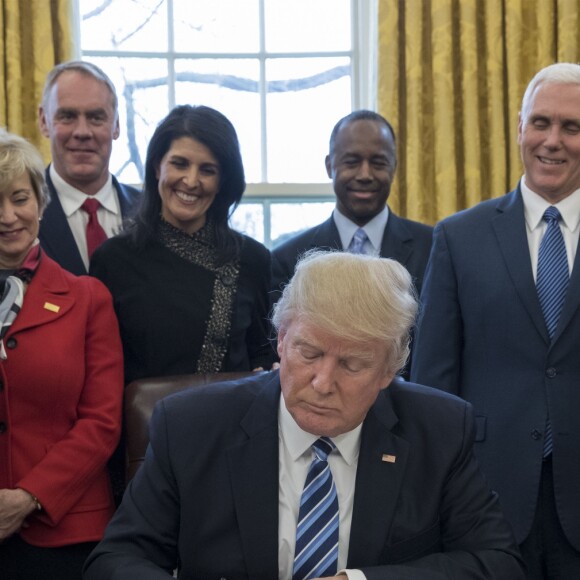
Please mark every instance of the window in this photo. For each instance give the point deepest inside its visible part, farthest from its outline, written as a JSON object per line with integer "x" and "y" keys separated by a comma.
{"x": 283, "y": 72}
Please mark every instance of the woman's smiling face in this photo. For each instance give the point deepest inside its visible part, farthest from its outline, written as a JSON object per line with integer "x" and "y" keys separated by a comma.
{"x": 189, "y": 180}
{"x": 19, "y": 221}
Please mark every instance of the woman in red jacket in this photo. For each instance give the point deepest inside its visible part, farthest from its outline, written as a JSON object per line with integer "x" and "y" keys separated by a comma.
{"x": 61, "y": 384}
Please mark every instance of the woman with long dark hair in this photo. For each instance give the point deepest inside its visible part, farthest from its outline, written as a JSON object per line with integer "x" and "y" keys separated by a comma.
{"x": 191, "y": 294}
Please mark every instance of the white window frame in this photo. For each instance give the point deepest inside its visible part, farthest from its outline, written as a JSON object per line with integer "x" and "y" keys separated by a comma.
{"x": 363, "y": 83}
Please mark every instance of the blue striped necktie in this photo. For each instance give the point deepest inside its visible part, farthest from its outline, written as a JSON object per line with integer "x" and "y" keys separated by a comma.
{"x": 357, "y": 244}
{"x": 552, "y": 283}
{"x": 316, "y": 553}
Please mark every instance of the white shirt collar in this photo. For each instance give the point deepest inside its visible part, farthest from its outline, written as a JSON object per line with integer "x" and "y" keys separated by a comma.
{"x": 298, "y": 441}
{"x": 374, "y": 229}
{"x": 72, "y": 198}
{"x": 535, "y": 206}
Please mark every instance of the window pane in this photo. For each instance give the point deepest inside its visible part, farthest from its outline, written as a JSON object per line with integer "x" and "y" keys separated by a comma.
{"x": 124, "y": 25}
{"x": 283, "y": 109}
{"x": 301, "y": 117}
{"x": 231, "y": 86}
{"x": 142, "y": 90}
{"x": 288, "y": 219}
{"x": 323, "y": 25}
{"x": 216, "y": 26}
{"x": 249, "y": 219}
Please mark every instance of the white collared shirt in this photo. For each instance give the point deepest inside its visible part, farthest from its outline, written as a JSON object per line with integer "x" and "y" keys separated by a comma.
{"x": 534, "y": 208}
{"x": 295, "y": 457}
{"x": 374, "y": 230}
{"x": 71, "y": 199}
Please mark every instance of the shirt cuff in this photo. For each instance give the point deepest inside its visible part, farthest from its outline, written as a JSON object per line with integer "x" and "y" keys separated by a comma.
{"x": 353, "y": 574}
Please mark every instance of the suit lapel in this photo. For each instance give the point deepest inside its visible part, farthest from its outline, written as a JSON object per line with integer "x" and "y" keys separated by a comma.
{"x": 254, "y": 473}
{"x": 572, "y": 299}
{"x": 397, "y": 240}
{"x": 56, "y": 236}
{"x": 510, "y": 229}
{"x": 378, "y": 477}
{"x": 326, "y": 236}
{"x": 126, "y": 201}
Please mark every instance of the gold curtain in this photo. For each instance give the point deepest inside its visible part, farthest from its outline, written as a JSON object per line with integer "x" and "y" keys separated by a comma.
{"x": 451, "y": 77}
{"x": 37, "y": 34}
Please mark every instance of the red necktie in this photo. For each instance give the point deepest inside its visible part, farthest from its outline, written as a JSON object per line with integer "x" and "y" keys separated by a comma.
{"x": 95, "y": 233}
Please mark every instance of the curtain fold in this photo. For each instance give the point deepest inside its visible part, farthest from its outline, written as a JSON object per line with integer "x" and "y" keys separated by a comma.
{"x": 37, "y": 34}
{"x": 451, "y": 78}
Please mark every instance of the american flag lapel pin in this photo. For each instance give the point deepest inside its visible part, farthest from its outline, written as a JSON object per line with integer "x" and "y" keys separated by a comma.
{"x": 388, "y": 458}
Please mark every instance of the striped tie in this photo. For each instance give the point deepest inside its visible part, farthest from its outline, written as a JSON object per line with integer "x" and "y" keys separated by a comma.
{"x": 357, "y": 244}
{"x": 552, "y": 283}
{"x": 316, "y": 551}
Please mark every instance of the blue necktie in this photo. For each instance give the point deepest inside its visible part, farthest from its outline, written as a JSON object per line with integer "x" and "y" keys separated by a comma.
{"x": 316, "y": 553}
{"x": 552, "y": 283}
{"x": 358, "y": 242}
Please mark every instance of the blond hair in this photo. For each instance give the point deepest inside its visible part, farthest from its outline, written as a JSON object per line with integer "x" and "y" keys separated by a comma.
{"x": 19, "y": 157}
{"x": 355, "y": 297}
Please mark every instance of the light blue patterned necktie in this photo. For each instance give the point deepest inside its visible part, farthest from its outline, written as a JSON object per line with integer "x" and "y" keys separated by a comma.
{"x": 357, "y": 244}
{"x": 316, "y": 552}
{"x": 552, "y": 283}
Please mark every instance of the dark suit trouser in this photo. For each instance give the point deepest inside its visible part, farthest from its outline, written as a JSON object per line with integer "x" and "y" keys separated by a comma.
{"x": 21, "y": 561}
{"x": 546, "y": 551}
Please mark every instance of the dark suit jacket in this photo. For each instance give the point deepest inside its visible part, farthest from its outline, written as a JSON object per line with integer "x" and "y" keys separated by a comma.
{"x": 406, "y": 241}
{"x": 482, "y": 336}
{"x": 207, "y": 494}
{"x": 55, "y": 235}
{"x": 60, "y": 399}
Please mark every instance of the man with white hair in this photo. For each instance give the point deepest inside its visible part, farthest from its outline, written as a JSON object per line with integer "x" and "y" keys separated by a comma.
{"x": 328, "y": 467}
{"x": 500, "y": 327}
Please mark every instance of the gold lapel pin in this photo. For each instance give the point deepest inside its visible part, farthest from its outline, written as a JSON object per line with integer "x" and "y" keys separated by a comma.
{"x": 51, "y": 307}
{"x": 389, "y": 458}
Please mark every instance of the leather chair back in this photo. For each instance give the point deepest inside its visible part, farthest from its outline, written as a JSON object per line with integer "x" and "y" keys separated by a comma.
{"x": 140, "y": 398}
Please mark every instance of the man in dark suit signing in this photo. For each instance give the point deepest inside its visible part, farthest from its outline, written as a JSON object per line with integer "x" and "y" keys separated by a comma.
{"x": 79, "y": 115}
{"x": 318, "y": 469}
{"x": 361, "y": 162}
{"x": 500, "y": 327}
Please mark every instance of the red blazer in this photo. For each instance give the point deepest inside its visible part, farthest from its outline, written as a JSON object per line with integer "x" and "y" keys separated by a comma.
{"x": 60, "y": 403}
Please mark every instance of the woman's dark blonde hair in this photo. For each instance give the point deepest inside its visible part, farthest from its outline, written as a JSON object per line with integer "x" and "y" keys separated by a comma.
{"x": 19, "y": 157}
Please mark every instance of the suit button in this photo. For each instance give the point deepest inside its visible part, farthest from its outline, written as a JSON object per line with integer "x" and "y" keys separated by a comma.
{"x": 3, "y": 427}
{"x": 551, "y": 372}
{"x": 536, "y": 434}
{"x": 11, "y": 343}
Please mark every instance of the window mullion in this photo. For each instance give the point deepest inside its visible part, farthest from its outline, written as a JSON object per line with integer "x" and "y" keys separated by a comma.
{"x": 263, "y": 96}
{"x": 170, "y": 56}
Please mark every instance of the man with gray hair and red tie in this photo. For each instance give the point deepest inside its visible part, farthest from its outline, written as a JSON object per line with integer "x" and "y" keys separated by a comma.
{"x": 328, "y": 467}
{"x": 79, "y": 114}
